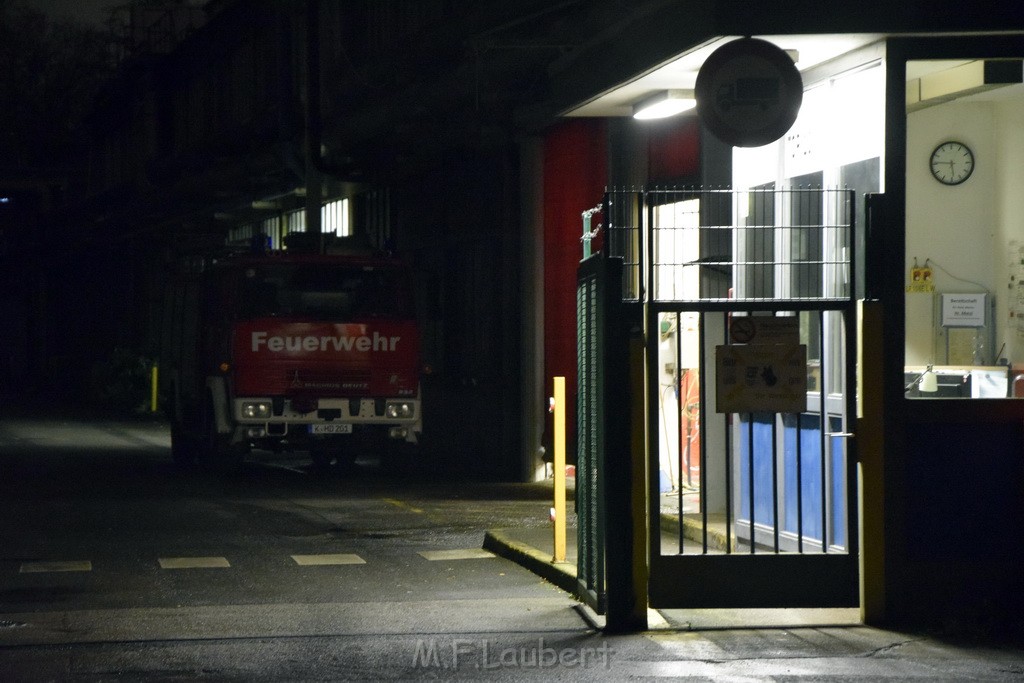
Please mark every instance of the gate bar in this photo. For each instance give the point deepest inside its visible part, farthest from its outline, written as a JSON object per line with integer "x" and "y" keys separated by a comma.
{"x": 823, "y": 430}
{"x": 799, "y": 484}
{"x": 750, "y": 473}
{"x": 702, "y": 431}
{"x": 775, "y": 480}
{"x": 679, "y": 429}
{"x": 728, "y": 473}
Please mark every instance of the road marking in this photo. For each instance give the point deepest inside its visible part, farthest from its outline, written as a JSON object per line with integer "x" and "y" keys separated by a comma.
{"x": 64, "y": 566}
{"x": 222, "y": 562}
{"x": 194, "y": 563}
{"x": 404, "y": 506}
{"x": 320, "y": 560}
{"x": 463, "y": 554}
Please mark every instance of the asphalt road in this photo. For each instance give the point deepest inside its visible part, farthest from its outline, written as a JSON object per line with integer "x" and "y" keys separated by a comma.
{"x": 115, "y": 565}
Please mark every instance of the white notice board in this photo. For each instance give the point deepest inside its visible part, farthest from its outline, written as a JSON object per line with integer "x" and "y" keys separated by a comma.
{"x": 963, "y": 310}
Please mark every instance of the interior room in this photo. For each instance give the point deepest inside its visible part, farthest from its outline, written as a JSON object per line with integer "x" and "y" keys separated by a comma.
{"x": 964, "y": 234}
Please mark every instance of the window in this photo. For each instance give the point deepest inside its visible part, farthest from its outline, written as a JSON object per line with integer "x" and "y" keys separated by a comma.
{"x": 294, "y": 221}
{"x": 963, "y": 258}
{"x": 334, "y": 218}
{"x": 326, "y": 293}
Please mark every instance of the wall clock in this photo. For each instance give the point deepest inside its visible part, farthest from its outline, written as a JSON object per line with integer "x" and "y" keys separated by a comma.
{"x": 952, "y": 162}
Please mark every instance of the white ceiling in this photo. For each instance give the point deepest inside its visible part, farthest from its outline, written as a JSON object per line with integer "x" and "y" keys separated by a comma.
{"x": 681, "y": 72}
{"x": 812, "y": 50}
{"x": 920, "y": 68}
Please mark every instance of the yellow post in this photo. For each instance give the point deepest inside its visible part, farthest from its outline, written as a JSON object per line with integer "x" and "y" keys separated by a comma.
{"x": 154, "y": 373}
{"x": 559, "y": 464}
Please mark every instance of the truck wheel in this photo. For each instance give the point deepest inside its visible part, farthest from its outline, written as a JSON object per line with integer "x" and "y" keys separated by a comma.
{"x": 183, "y": 448}
{"x": 184, "y": 445}
{"x": 217, "y": 451}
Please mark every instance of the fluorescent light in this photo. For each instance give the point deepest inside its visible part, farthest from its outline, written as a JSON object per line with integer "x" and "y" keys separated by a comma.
{"x": 964, "y": 79}
{"x": 664, "y": 103}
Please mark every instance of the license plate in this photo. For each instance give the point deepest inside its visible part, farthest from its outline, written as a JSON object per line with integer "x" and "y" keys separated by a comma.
{"x": 330, "y": 428}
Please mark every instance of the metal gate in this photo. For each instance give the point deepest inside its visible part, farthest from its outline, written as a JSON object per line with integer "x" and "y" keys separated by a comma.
{"x": 750, "y": 324}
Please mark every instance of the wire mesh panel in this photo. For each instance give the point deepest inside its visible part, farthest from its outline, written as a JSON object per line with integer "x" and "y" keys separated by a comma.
{"x": 761, "y": 244}
{"x": 590, "y": 535}
{"x": 622, "y": 211}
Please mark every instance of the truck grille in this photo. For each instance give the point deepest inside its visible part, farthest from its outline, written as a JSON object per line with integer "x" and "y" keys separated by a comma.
{"x": 333, "y": 382}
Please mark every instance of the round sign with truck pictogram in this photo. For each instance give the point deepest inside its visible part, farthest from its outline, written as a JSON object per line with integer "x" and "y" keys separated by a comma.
{"x": 748, "y": 92}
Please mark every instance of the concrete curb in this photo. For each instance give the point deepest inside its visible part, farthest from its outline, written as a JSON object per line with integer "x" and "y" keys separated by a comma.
{"x": 561, "y": 574}
{"x": 693, "y": 530}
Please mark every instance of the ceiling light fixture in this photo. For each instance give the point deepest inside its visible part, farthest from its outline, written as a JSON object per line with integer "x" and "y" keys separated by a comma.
{"x": 664, "y": 103}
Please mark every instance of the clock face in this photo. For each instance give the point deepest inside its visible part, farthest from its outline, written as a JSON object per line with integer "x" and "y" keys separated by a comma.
{"x": 952, "y": 163}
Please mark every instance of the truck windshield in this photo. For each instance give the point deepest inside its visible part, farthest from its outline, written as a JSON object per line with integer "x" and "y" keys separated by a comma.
{"x": 325, "y": 292}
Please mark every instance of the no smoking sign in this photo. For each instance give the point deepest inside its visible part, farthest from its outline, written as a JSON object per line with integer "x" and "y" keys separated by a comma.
{"x": 751, "y": 329}
{"x": 742, "y": 330}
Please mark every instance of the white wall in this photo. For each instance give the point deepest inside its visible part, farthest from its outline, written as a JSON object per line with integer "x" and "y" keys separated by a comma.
{"x": 957, "y": 227}
{"x": 1009, "y": 188}
{"x": 841, "y": 121}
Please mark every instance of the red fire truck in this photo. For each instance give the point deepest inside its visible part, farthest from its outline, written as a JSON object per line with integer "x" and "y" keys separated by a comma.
{"x": 293, "y": 351}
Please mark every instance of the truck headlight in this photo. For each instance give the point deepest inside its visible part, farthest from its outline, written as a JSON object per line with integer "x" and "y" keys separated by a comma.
{"x": 256, "y": 409}
{"x": 400, "y": 409}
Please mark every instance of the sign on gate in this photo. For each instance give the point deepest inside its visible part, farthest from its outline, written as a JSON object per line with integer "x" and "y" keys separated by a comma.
{"x": 755, "y": 378}
{"x": 758, "y": 329}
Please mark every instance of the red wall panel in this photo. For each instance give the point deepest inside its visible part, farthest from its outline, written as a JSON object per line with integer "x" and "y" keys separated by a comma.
{"x": 673, "y": 151}
{"x": 575, "y": 177}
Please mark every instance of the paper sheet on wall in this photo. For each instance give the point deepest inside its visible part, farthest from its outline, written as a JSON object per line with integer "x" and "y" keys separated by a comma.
{"x": 988, "y": 383}
{"x": 1016, "y": 287}
{"x": 961, "y": 342}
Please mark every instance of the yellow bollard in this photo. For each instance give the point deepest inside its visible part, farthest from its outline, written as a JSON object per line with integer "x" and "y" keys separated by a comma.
{"x": 559, "y": 464}
{"x": 152, "y": 389}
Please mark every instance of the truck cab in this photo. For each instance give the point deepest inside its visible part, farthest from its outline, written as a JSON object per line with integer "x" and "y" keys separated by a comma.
{"x": 294, "y": 351}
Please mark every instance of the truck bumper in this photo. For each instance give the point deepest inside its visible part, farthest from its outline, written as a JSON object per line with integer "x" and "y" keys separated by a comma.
{"x": 267, "y": 417}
